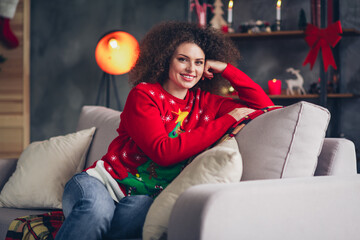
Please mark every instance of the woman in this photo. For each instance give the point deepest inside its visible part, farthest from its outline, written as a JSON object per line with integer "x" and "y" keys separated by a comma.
{"x": 169, "y": 117}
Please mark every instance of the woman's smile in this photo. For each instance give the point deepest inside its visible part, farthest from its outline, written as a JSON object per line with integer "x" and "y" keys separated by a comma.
{"x": 188, "y": 77}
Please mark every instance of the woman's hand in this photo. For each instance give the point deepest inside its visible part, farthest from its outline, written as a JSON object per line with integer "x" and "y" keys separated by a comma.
{"x": 212, "y": 66}
{"x": 239, "y": 113}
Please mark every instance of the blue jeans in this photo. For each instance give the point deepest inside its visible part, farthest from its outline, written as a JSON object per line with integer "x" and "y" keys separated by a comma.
{"x": 91, "y": 213}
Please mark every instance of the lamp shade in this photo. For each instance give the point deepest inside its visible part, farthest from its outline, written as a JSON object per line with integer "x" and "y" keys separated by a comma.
{"x": 117, "y": 52}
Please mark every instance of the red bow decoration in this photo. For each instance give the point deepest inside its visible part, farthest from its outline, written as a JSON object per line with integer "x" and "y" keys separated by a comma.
{"x": 322, "y": 38}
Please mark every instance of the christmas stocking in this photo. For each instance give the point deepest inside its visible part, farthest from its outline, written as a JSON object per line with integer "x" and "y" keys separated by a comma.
{"x": 7, "y": 12}
{"x": 6, "y": 35}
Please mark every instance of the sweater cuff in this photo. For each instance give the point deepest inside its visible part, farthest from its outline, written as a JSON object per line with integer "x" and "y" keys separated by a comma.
{"x": 228, "y": 119}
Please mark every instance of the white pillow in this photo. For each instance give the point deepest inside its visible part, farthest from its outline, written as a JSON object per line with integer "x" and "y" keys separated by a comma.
{"x": 220, "y": 164}
{"x": 43, "y": 170}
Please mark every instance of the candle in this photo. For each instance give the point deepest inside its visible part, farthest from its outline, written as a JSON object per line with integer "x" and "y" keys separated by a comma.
{"x": 230, "y": 13}
{"x": 274, "y": 87}
{"x": 278, "y": 10}
{"x": 278, "y": 14}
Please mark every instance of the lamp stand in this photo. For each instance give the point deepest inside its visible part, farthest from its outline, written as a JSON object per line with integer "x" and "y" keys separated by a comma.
{"x": 104, "y": 90}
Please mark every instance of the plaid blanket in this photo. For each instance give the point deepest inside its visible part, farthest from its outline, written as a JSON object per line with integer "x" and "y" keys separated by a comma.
{"x": 45, "y": 226}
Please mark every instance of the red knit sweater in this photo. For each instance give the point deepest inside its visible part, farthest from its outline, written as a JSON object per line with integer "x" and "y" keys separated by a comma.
{"x": 158, "y": 131}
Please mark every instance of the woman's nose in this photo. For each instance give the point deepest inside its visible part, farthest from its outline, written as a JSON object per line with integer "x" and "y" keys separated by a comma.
{"x": 190, "y": 67}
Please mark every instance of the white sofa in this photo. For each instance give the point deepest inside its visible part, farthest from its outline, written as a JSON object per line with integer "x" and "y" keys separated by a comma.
{"x": 326, "y": 206}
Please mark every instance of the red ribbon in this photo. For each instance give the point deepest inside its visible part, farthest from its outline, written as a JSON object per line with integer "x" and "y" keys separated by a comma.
{"x": 322, "y": 39}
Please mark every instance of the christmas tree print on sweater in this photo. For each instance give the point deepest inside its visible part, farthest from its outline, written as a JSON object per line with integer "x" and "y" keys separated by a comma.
{"x": 177, "y": 130}
{"x": 150, "y": 171}
{"x": 147, "y": 180}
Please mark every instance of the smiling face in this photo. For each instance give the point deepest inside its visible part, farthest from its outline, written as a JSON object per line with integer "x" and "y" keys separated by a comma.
{"x": 185, "y": 70}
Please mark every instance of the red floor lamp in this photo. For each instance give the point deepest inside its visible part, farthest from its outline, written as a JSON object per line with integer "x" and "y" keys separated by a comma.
{"x": 115, "y": 53}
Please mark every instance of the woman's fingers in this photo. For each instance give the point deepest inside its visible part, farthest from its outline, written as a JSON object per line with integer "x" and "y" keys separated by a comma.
{"x": 212, "y": 66}
{"x": 207, "y": 71}
{"x": 239, "y": 113}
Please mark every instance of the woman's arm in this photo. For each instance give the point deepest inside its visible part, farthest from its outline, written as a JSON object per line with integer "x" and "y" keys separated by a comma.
{"x": 249, "y": 92}
{"x": 142, "y": 120}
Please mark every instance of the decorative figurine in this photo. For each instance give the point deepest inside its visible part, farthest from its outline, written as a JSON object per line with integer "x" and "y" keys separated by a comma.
{"x": 218, "y": 21}
{"x": 296, "y": 83}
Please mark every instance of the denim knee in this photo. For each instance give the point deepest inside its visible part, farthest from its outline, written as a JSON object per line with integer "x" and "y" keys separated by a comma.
{"x": 129, "y": 217}
{"x": 88, "y": 195}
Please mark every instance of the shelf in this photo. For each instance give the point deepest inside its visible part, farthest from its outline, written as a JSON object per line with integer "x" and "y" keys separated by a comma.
{"x": 306, "y": 96}
{"x": 351, "y": 32}
{"x": 278, "y": 34}
{"x": 330, "y": 95}
{"x": 283, "y": 34}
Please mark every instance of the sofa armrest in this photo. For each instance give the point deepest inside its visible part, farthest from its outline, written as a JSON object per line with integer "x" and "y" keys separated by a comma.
{"x": 7, "y": 167}
{"x": 324, "y": 207}
{"x": 337, "y": 157}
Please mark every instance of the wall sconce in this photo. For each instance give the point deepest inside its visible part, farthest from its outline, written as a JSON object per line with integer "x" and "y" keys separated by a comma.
{"x": 115, "y": 53}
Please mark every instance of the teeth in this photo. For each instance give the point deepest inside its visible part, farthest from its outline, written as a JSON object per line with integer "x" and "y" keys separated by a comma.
{"x": 188, "y": 77}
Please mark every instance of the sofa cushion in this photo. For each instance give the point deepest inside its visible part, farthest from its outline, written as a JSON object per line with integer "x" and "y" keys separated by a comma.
{"x": 106, "y": 121}
{"x": 220, "y": 164}
{"x": 283, "y": 143}
{"x": 43, "y": 169}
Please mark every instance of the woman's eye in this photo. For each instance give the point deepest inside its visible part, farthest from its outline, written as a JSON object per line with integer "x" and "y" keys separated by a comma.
{"x": 182, "y": 59}
{"x": 199, "y": 62}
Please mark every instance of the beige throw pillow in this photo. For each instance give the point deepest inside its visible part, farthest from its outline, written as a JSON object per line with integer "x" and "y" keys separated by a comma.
{"x": 43, "y": 170}
{"x": 283, "y": 143}
{"x": 220, "y": 164}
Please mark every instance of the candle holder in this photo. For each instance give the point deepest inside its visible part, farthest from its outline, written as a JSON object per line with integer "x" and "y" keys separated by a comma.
{"x": 278, "y": 25}
{"x": 230, "y": 29}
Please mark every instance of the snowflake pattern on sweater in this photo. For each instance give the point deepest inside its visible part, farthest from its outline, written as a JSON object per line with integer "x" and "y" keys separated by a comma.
{"x": 159, "y": 133}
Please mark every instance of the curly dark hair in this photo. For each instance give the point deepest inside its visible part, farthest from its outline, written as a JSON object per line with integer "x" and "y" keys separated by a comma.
{"x": 159, "y": 44}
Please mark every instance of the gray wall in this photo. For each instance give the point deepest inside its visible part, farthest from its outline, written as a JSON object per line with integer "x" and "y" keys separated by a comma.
{"x": 64, "y": 74}
{"x": 64, "y": 34}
